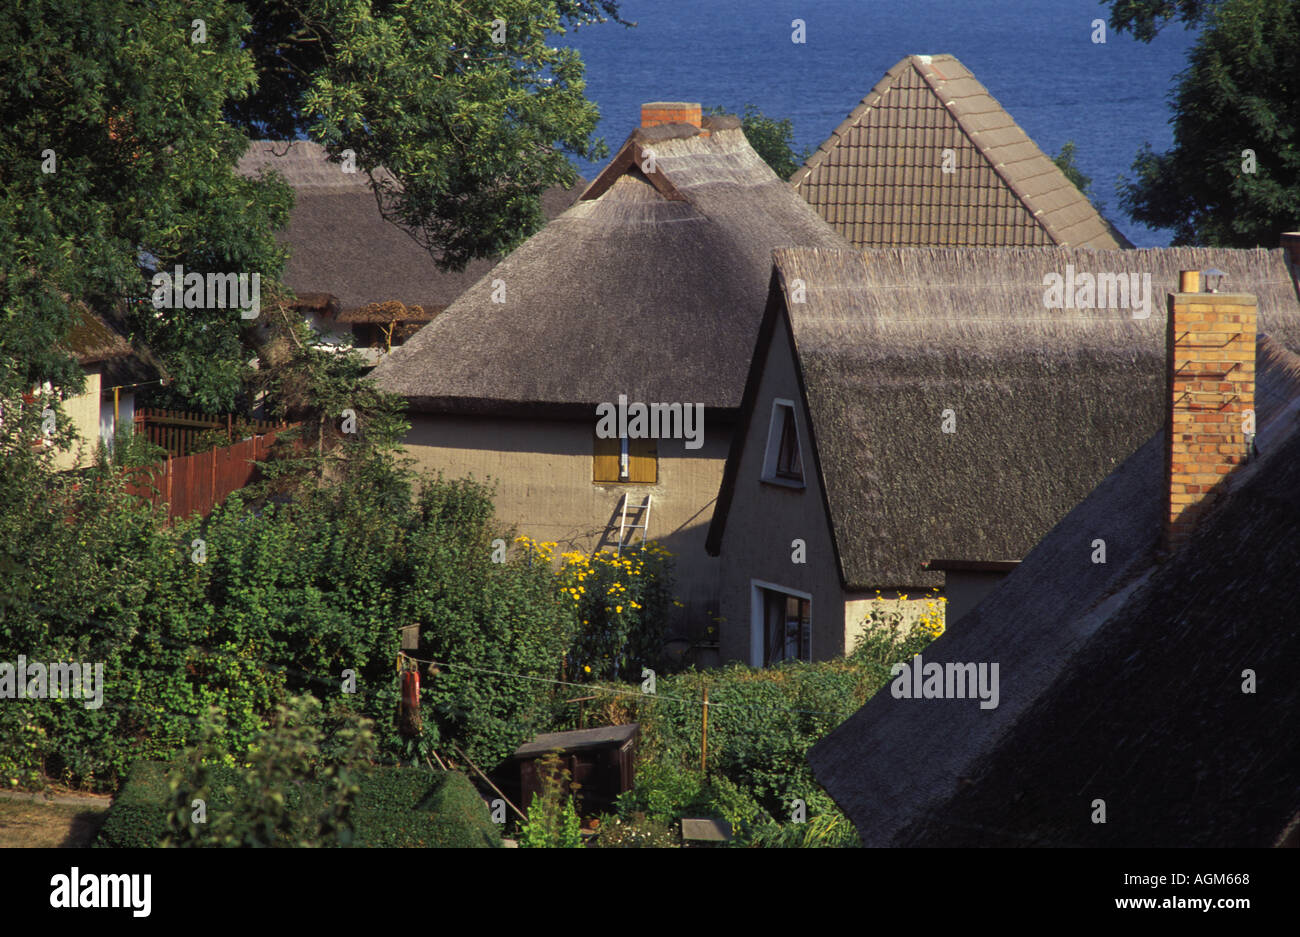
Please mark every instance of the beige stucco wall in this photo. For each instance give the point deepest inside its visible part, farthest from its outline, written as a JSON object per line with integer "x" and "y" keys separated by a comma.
{"x": 543, "y": 475}
{"x": 765, "y": 519}
{"x": 83, "y": 411}
{"x": 881, "y": 611}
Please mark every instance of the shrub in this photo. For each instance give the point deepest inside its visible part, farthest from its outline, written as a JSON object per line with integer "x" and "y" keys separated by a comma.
{"x": 622, "y": 605}
{"x": 761, "y": 724}
{"x": 288, "y": 596}
{"x": 395, "y": 807}
{"x": 831, "y": 829}
{"x": 412, "y": 808}
{"x": 552, "y": 817}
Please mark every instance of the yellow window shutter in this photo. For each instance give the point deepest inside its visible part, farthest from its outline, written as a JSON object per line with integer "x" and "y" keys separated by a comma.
{"x": 643, "y": 458}
{"x": 604, "y": 461}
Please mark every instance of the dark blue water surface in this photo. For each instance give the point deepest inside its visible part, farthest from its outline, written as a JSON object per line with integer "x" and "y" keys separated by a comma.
{"x": 1035, "y": 56}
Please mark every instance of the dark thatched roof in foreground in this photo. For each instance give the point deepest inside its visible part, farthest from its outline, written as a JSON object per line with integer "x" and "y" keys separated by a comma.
{"x": 1046, "y": 401}
{"x": 340, "y": 244}
{"x": 879, "y": 178}
{"x": 652, "y": 285}
{"x": 1120, "y": 681}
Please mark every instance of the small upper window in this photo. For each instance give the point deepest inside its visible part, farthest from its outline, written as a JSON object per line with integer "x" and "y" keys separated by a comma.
{"x": 782, "y": 461}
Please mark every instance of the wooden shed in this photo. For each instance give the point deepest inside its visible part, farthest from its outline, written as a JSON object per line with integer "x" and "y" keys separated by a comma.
{"x": 602, "y": 761}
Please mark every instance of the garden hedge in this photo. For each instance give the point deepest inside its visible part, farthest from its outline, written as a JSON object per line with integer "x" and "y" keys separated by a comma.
{"x": 397, "y": 807}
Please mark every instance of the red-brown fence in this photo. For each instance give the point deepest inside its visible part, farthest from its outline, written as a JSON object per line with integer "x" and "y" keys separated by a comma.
{"x": 178, "y": 430}
{"x": 197, "y": 483}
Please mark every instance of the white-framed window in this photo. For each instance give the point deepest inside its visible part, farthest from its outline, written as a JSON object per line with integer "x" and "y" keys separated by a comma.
{"x": 780, "y": 624}
{"x": 782, "y": 459}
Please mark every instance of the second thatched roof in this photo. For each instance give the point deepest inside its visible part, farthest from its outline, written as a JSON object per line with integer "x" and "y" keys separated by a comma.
{"x": 1043, "y": 403}
{"x": 341, "y": 245}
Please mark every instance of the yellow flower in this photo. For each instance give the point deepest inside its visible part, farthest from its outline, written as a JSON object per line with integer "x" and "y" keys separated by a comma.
{"x": 587, "y": 668}
{"x": 619, "y": 610}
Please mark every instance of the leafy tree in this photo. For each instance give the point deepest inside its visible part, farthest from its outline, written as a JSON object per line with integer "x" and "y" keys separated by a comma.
{"x": 1065, "y": 162}
{"x": 1145, "y": 18}
{"x": 467, "y": 104}
{"x": 113, "y": 143}
{"x": 771, "y": 138}
{"x": 143, "y": 120}
{"x": 1232, "y": 178}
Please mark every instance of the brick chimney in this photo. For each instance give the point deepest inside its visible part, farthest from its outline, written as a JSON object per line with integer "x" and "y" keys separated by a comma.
{"x": 670, "y": 112}
{"x": 1210, "y": 362}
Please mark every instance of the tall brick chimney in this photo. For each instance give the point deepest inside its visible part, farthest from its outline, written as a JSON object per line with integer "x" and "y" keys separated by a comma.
{"x": 670, "y": 112}
{"x": 1210, "y": 362}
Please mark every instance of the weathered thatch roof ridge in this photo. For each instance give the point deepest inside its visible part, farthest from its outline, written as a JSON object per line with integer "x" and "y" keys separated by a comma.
{"x": 1118, "y": 680}
{"x": 93, "y": 340}
{"x": 652, "y": 285}
{"x": 1046, "y": 402}
{"x": 383, "y": 313}
{"x": 880, "y": 180}
{"x": 341, "y": 244}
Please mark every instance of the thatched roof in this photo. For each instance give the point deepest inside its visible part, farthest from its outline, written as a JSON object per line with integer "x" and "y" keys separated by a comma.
{"x": 652, "y": 285}
{"x": 383, "y": 313}
{"x": 93, "y": 340}
{"x": 1046, "y": 402}
{"x": 879, "y": 177}
{"x": 1120, "y": 681}
{"x": 340, "y": 243}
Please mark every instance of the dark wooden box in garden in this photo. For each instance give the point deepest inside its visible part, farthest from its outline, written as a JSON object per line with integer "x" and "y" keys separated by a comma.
{"x": 601, "y": 760}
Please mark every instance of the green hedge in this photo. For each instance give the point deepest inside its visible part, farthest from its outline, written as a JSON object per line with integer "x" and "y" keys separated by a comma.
{"x": 397, "y": 807}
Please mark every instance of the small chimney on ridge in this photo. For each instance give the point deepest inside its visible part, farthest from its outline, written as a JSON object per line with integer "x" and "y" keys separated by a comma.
{"x": 670, "y": 112}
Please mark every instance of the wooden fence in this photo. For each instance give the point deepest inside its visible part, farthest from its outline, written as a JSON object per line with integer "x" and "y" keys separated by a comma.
{"x": 198, "y": 483}
{"x": 177, "y": 431}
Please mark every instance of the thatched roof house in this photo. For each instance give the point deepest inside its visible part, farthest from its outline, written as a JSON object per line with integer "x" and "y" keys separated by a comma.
{"x": 651, "y": 285}
{"x": 930, "y": 159}
{"x": 109, "y": 361}
{"x": 942, "y": 410}
{"x": 1158, "y": 690}
{"x": 347, "y": 262}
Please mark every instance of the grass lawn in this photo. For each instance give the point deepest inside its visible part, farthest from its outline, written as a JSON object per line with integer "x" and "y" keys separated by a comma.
{"x": 35, "y": 823}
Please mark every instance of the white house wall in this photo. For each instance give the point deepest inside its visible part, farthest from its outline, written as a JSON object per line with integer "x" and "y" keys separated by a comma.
{"x": 765, "y": 519}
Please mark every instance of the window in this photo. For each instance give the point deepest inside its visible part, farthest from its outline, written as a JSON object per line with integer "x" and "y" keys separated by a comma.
{"x": 782, "y": 462}
{"x": 782, "y": 626}
{"x": 630, "y": 461}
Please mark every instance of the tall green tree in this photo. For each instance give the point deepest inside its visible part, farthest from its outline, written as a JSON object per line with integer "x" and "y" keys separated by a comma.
{"x": 468, "y": 105}
{"x": 113, "y": 143}
{"x": 1232, "y": 178}
{"x": 121, "y": 133}
{"x": 1145, "y": 18}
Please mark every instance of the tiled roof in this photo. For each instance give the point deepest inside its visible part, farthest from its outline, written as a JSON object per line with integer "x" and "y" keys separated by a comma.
{"x": 879, "y": 179}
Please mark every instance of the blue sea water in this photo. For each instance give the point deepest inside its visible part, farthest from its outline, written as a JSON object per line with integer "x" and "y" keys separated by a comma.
{"x": 1036, "y": 57}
